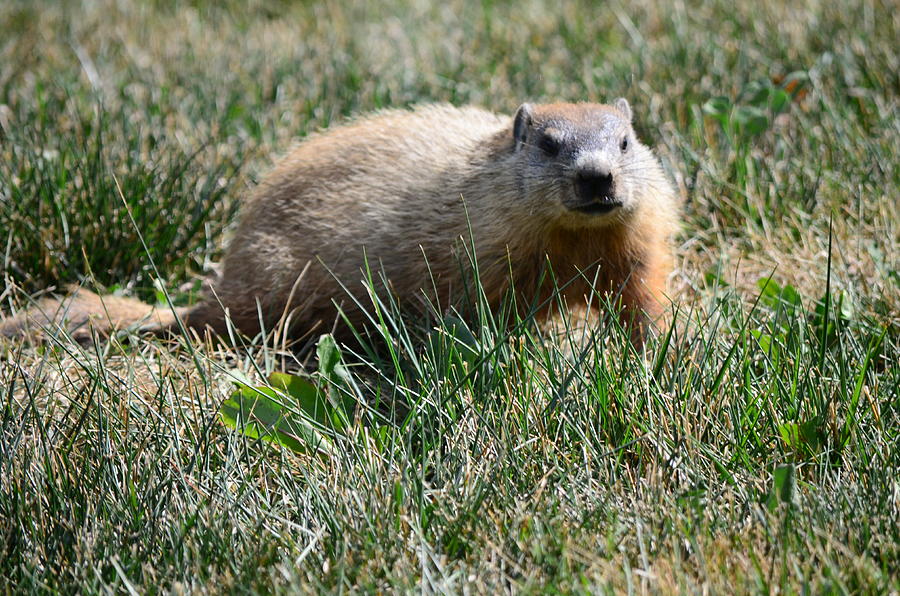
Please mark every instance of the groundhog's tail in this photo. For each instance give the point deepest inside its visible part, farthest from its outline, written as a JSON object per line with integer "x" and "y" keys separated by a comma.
{"x": 82, "y": 314}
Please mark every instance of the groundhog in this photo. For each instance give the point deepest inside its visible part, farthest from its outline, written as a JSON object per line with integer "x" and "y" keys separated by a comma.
{"x": 557, "y": 196}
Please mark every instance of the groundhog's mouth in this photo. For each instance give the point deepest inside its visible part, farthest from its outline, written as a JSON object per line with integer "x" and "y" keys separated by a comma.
{"x": 598, "y": 207}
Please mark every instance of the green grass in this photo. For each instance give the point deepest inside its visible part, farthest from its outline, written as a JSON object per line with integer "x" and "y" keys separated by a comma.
{"x": 751, "y": 449}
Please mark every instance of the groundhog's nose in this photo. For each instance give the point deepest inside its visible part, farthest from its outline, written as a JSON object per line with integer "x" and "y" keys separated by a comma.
{"x": 594, "y": 185}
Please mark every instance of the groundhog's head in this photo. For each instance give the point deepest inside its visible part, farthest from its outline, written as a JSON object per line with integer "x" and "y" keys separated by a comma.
{"x": 582, "y": 164}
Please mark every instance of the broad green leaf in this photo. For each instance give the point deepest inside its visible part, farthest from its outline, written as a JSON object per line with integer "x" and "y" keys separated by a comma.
{"x": 804, "y": 438}
{"x": 784, "y": 486}
{"x": 769, "y": 290}
{"x": 767, "y": 342}
{"x": 461, "y": 339}
{"x": 342, "y": 402}
{"x": 757, "y": 94}
{"x": 790, "y": 295}
{"x": 259, "y": 412}
{"x": 330, "y": 360}
{"x": 774, "y": 295}
{"x": 779, "y": 100}
{"x": 719, "y": 108}
{"x": 307, "y": 397}
{"x": 750, "y": 120}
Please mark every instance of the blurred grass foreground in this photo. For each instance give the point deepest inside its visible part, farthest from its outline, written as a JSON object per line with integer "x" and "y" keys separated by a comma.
{"x": 752, "y": 449}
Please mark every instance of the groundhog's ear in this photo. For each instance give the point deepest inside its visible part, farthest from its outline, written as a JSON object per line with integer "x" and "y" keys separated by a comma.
{"x": 621, "y": 104}
{"x": 521, "y": 124}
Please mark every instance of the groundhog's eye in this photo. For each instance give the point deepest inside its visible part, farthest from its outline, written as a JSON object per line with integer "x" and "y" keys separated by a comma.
{"x": 624, "y": 144}
{"x": 549, "y": 145}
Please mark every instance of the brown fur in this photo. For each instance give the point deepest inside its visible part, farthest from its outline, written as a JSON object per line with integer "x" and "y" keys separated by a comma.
{"x": 398, "y": 185}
